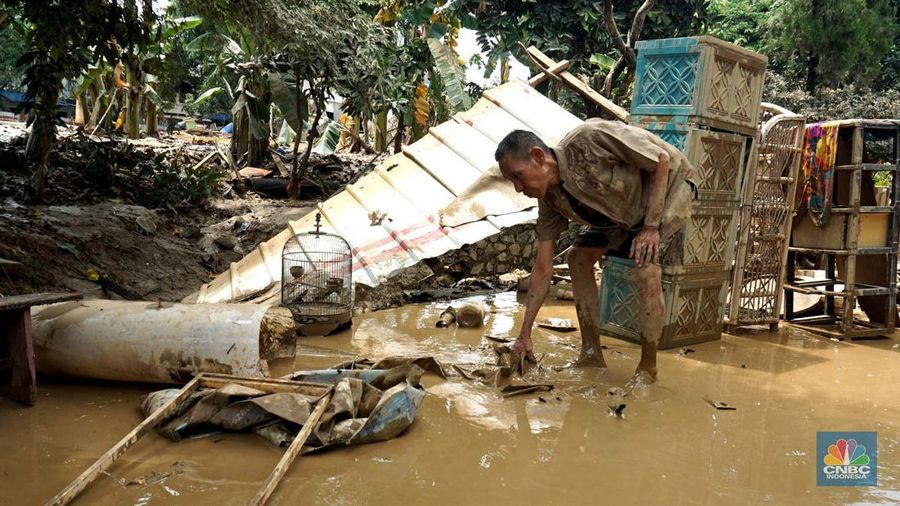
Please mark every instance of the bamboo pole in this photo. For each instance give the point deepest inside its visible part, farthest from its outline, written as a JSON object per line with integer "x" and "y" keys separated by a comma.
{"x": 110, "y": 457}
{"x": 262, "y": 496}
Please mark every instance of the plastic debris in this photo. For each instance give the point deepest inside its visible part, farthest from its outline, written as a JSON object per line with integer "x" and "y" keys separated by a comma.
{"x": 558, "y": 324}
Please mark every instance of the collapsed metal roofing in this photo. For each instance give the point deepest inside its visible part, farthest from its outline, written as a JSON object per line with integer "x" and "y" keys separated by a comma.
{"x": 410, "y": 188}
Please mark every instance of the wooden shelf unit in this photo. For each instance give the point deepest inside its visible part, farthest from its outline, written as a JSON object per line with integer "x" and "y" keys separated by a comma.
{"x": 848, "y": 287}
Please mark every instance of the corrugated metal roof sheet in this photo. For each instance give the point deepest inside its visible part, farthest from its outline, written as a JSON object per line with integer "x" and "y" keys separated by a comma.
{"x": 411, "y": 187}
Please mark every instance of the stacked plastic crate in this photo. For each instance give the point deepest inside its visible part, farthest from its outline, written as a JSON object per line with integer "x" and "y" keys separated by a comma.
{"x": 701, "y": 95}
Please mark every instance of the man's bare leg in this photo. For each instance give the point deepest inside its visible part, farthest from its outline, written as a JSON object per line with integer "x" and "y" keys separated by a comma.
{"x": 650, "y": 319}
{"x": 587, "y": 305}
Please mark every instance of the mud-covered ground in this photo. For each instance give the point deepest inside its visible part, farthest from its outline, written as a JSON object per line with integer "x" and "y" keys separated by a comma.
{"x": 93, "y": 235}
{"x": 469, "y": 445}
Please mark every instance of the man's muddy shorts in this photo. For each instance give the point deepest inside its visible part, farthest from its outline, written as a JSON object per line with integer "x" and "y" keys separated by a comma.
{"x": 618, "y": 241}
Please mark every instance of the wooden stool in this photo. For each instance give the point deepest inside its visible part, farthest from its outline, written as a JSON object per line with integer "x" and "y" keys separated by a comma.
{"x": 17, "y": 375}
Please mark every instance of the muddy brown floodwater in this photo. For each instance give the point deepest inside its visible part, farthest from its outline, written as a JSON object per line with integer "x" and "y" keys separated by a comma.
{"x": 470, "y": 446}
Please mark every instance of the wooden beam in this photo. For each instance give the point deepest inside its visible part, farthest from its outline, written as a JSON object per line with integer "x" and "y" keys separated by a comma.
{"x": 15, "y": 331}
{"x": 262, "y": 496}
{"x": 109, "y": 458}
{"x": 36, "y": 299}
{"x": 545, "y": 62}
{"x": 549, "y": 73}
{"x": 268, "y": 385}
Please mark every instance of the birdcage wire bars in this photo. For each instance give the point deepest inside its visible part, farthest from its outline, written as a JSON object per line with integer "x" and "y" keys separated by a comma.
{"x": 316, "y": 278}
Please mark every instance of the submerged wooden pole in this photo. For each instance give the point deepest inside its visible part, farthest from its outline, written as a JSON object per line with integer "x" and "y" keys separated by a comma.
{"x": 287, "y": 459}
{"x": 110, "y": 457}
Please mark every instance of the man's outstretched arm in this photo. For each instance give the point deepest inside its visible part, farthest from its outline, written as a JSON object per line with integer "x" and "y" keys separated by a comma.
{"x": 539, "y": 285}
{"x": 645, "y": 247}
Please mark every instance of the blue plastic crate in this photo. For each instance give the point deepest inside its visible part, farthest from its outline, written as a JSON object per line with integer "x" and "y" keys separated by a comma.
{"x": 700, "y": 79}
{"x": 694, "y": 304}
{"x": 719, "y": 158}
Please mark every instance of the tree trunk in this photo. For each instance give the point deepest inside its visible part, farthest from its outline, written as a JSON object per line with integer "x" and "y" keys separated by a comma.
{"x": 614, "y": 73}
{"x": 96, "y": 105}
{"x": 298, "y": 171}
{"x": 79, "y": 110}
{"x": 398, "y": 139}
{"x": 133, "y": 98}
{"x": 504, "y": 69}
{"x": 381, "y": 131}
{"x": 812, "y": 61}
{"x": 43, "y": 131}
{"x": 257, "y": 151}
{"x": 240, "y": 136}
{"x": 152, "y": 118}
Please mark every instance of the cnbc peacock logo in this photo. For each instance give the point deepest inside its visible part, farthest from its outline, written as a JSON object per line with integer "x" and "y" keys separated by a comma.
{"x": 847, "y": 458}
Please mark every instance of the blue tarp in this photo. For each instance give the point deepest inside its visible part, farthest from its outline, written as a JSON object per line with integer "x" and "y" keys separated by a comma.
{"x": 18, "y": 97}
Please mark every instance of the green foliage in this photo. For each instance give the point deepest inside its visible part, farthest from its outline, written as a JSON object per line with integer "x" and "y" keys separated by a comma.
{"x": 833, "y": 42}
{"x": 159, "y": 184}
{"x": 451, "y": 76}
{"x": 739, "y": 21}
{"x": 206, "y": 95}
{"x": 12, "y": 47}
{"x": 828, "y": 103}
{"x": 284, "y": 95}
{"x": 152, "y": 179}
{"x": 570, "y": 30}
{"x": 329, "y": 139}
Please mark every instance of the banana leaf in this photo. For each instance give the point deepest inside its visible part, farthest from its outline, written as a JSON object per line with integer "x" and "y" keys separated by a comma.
{"x": 206, "y": 95}
{"x": 284, "y": 96}
{"x": 450, "y": 74}
{"x": 178, "y": 25}
{"x": 329, "y": 139}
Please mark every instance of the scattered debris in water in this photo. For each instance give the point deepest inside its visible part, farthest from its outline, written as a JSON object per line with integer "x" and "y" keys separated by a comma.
{"x": 557, "y": 324}
{"x": 722, "y": 406}
{"x": 617, "y": 410}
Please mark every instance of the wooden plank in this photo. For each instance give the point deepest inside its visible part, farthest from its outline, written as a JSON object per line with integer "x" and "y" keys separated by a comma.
{"x": 880, "y": 167}
{"x": 853, "y": 228}
{"x": 36, "y": 299}
{"x": 867, "y": 332}
{"x": 109, "y": 458}
{"x": 862, "y": 210}
{"x": 262, "y": 496}
{"x": 576, "y": 84}
{"x": 15, "y": 324}
{"x": 549, "y": 73}
{"x": 271, "y": 386}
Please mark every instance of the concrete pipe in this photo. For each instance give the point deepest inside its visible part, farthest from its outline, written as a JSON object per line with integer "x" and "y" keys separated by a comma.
{"x": 158, "y": 342}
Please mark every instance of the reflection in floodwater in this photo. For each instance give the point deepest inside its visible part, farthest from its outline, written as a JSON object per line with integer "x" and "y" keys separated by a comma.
{"x": 469, "y": 445}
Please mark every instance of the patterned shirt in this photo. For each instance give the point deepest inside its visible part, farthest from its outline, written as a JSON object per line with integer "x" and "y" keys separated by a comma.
{"x": 605, "y": 166}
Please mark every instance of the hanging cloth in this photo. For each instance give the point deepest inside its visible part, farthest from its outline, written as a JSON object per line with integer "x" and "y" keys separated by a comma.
{"x": 817, "y": 173}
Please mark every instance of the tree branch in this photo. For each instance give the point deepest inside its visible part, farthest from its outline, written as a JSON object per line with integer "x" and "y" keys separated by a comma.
{"x": 611, "y": 77}
{"x": 637, "y": 24}
{"x": 613, "y": 32}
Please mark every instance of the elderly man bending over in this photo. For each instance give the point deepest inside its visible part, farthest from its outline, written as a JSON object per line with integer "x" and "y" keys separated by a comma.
{"x": 631, "y": 191}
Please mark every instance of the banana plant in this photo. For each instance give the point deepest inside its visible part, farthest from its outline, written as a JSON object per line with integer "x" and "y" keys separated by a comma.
{"x": 451, "y": 75}
{"x": 252, "y": 96}
{"x": 418, "y": 77}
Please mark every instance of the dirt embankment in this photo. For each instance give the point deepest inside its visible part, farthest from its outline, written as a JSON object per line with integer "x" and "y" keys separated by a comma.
{"x": 90, "y": 232}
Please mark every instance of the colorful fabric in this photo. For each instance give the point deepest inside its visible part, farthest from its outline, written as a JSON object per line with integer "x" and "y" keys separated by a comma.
{"x": 817, "y": 173}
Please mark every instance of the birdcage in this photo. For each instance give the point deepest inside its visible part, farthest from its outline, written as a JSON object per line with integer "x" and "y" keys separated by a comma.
{"x": 316, "y": 282}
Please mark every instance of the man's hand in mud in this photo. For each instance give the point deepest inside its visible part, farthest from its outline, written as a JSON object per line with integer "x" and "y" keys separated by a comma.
{"x": 645, "y": 247}
{"x": 523, "y": 345}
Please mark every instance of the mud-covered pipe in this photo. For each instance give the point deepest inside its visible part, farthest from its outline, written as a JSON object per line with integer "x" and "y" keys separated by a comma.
{"x": 157, "y": 342}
